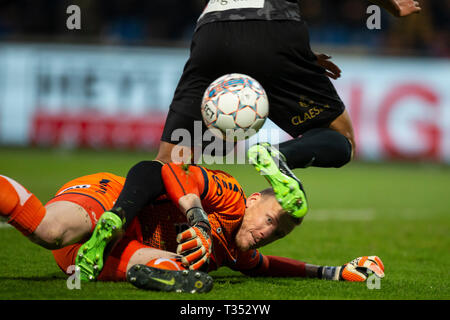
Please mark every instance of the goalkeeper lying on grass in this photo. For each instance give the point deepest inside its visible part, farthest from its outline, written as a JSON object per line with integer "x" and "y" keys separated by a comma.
{"x": 201, "y": 221}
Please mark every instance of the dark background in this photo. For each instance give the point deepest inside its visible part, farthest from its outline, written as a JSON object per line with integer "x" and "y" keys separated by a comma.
{"x": 340, "y": 24}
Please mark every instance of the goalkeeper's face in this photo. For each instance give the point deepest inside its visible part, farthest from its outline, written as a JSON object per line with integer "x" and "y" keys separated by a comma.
{"x": 264, "y": 222}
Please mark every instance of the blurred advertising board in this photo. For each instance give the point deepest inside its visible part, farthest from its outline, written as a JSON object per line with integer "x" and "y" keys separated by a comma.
{"x": 110, "y": 97}
{"x": 85, "y": 95}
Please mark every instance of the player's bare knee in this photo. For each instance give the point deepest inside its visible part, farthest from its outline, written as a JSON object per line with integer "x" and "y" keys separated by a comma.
{"x": 163, "y": 158}
{"x": 343, "y": 125}
{"x": 353, "y": 145}
{"x": 55, "y": 238}
{"x": 64, "y": 223}
{"x": 49, "y": 234}
{"x": 346, "y": 156}
{"x": 165, "y": 152}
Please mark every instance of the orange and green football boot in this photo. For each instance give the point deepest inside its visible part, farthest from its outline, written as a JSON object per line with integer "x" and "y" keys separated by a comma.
{"x": 92, "y": 254}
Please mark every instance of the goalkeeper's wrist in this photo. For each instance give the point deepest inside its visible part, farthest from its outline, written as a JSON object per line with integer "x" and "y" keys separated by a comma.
{"x": 197, "y": 217}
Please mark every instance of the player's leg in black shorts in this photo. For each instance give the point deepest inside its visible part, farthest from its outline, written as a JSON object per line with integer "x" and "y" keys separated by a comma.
{"x": 277, "y": 54}
{"x": 184, "y": 124}
{"x": 303, "y": 101}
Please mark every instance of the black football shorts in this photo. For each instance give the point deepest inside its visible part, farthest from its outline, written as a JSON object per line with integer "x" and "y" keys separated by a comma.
{"x": 277, "y": 54}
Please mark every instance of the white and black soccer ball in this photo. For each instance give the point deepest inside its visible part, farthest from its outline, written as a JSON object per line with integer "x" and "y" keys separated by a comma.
{"x": 234, "y": 107}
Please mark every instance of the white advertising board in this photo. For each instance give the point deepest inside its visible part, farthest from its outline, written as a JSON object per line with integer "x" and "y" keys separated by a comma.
{"x": 400, "y": 107}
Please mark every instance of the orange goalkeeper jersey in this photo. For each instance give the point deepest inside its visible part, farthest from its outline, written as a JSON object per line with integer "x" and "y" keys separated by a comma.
{"x": 159, "y": 224}
{"x": 223, "y": 200}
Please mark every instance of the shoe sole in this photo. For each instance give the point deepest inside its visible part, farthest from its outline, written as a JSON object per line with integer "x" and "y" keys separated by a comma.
{"x": 288, "y": 191}
{"x": 90, "y": 257}
{"x": 149, "y": 278}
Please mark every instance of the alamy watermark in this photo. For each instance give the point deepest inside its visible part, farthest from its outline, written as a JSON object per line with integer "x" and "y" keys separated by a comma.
{"x": 373, "y": 22}
{"x": 74, "y": 280}
{"x": 73, "y": 22}
{"x": 373, "y": 281}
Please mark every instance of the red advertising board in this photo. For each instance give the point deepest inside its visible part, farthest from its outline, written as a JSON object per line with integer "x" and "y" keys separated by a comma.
{"x": 97, "y": 130}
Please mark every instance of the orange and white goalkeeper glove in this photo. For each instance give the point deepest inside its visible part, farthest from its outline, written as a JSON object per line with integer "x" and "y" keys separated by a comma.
{"x": 358, "y": 269}
{"x": 361, "y": 268}
{"x": 195, "y": 244}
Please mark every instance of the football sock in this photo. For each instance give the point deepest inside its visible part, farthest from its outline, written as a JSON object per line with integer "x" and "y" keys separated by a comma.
{"x": 142, "y": 186}
{"x": 24, "y": 210}
{"x": 8, "y": 197}
{"x": 320, "y": 147}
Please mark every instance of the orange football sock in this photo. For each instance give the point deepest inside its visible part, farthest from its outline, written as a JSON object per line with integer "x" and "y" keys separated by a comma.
{"x": 8, "y": 197}
{"x": 23, "y": 208}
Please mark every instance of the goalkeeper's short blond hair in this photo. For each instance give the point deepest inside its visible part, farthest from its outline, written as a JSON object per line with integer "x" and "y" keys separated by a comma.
{"x": 269, "y": 192}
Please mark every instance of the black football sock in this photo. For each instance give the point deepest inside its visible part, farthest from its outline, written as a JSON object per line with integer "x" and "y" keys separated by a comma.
{"x": 320, "y": 147}
{"x": 143, "y": 185}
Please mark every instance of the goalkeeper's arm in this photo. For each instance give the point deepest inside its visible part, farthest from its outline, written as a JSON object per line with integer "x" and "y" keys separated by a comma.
{"x": 195, "y": 244}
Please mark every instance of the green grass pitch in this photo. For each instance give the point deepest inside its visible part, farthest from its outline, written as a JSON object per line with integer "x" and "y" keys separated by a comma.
{"x": 400, "y": 212}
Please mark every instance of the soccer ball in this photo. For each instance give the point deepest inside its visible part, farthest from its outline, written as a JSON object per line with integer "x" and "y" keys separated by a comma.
{"x": 234, "y": 107}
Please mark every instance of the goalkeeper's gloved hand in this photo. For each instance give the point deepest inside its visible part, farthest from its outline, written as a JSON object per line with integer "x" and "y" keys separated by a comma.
{"x": 358, "y": 269}
{"x": 195, "y": 244}
{"x": 361, "y": 268}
